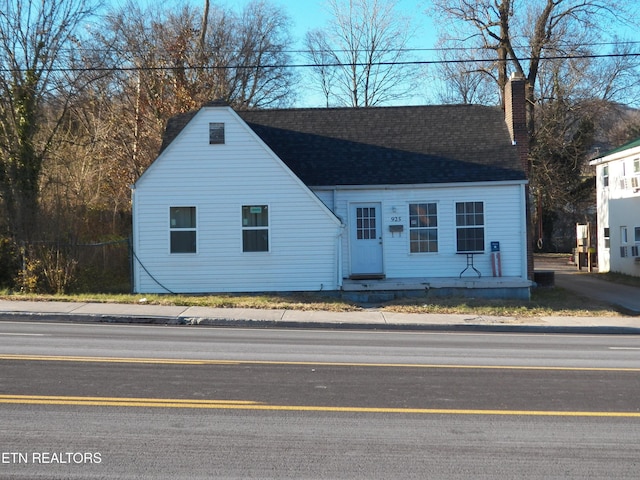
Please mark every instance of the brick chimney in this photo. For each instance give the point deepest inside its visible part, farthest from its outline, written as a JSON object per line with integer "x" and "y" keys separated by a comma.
{"x": 515, "y": 113}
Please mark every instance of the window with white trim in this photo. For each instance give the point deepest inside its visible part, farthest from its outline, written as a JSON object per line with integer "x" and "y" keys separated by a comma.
{"x": 182, "y": 229}
{"x": 470, "y": 227}
{"x": 605, "y": 176}
{"x": 255, "y": 228}
{"x": 423, "y": 227}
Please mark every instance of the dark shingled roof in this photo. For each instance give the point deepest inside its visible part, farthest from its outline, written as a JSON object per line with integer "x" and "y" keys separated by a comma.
{"x": 385, "y": 145}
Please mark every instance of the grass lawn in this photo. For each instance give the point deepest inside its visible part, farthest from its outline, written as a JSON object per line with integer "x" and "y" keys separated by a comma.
{"x": 544, "y": 302}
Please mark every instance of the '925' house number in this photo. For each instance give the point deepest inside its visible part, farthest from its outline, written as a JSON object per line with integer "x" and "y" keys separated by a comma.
{"x": 396, "y": 219}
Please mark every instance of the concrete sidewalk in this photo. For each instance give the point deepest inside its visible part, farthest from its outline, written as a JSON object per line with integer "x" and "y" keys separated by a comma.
{"x": 366, "y": 319}
{"x": 622, "y": 297}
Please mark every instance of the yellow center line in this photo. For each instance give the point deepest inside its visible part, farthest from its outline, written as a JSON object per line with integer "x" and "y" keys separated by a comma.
{"x": 164, "y": 361}
{"x": 250, "y": 405}
{"x": 178, "y": 361}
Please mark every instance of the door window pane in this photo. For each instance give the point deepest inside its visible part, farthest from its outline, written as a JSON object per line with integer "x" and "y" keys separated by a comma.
{"x": 366, "y": 223}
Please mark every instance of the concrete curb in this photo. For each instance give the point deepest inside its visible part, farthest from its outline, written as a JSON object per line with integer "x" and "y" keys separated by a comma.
{"x": 233, "y": 322}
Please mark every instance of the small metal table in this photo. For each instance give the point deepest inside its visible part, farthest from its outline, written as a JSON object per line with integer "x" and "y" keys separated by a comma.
{"x": 470, "y": 265}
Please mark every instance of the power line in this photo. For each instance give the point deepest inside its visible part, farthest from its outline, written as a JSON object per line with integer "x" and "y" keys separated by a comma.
{"x": 316, "y": 65}
{"x": 394, "y": 50}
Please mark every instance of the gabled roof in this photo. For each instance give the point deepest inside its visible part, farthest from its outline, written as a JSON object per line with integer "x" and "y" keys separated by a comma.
{"x": 385, "y": 145}
{"x": 622, "y": 148}
{"x": 616, "y": 153}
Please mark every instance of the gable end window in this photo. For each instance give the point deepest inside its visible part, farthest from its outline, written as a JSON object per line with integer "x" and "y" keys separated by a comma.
{"x": 182, "y": 229}
{"x": 470, "y": 227}
{"x": 423, "y": 227}
{"x": 255, "y": 228}
{"x": 216, "y": 133}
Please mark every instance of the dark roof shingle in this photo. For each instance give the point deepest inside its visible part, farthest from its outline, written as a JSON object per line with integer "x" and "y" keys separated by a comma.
{"x": 385, "y": 145}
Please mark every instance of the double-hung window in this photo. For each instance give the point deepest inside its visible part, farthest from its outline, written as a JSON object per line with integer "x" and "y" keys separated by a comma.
{"x": 182, "y": 229}
{"x": 255, "y": 228}
{"x": 423, "y": 227}
{"x": 470, "y": 227}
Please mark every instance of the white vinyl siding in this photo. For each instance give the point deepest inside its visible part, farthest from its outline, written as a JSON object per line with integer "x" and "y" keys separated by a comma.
{"x": 618, "y": 197}
{"x": 504, "y": 222}
{"x": 303, "y": 233}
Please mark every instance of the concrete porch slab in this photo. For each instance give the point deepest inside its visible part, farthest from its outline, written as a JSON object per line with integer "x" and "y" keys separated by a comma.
{"x": 484, "y": 287}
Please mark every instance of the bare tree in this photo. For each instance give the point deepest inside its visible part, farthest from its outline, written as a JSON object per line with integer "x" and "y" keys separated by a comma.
{"x": 360, "y": 58}
{"x": 523, "y": 34}
{"x": 551, "y": 44}
{"x": 462, "y": 81}
{"x": 185, "y": 59}
{"x": 38, "y": 46}
{"x": 261, "y": 77}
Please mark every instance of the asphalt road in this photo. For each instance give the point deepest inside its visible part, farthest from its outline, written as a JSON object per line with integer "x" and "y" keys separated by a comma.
{"x": 108, "y": 401}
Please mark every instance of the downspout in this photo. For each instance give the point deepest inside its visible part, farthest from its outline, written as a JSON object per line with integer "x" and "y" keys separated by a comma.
{"x": 524, "y": 267}
{"x": 134, "y": 237}
{"x": 338, "y": 240}
{"x": 339, "y": 255}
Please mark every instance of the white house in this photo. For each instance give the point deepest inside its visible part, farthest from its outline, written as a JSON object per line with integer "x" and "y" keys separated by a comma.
{"x": 331, "y": 199}
{"x": 618, "y": 198}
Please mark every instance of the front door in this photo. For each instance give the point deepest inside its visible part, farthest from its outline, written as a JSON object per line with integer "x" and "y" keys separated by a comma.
{"x": 366, "y": 239}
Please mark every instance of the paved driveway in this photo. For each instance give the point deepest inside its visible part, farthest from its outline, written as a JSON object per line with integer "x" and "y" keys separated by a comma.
{"x": 567, "y": 276}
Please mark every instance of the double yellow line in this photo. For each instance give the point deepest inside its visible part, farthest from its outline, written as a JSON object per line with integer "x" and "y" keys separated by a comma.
{"x": 123, "y": 401}
{"x": 163, "y": 361}
{"x": 250, "y": 405}
{"x": 179, "y": 361}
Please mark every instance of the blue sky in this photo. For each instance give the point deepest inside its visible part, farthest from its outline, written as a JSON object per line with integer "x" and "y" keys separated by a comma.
{"x": 311, "y": 14}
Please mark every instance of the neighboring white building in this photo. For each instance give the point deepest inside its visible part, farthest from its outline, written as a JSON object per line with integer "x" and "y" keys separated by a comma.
{"x": 618, "y": 197}
{"x": 330, "y": 199}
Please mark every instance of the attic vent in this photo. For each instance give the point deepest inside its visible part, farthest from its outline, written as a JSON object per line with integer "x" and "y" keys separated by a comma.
{"x": 216, "y": 133}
